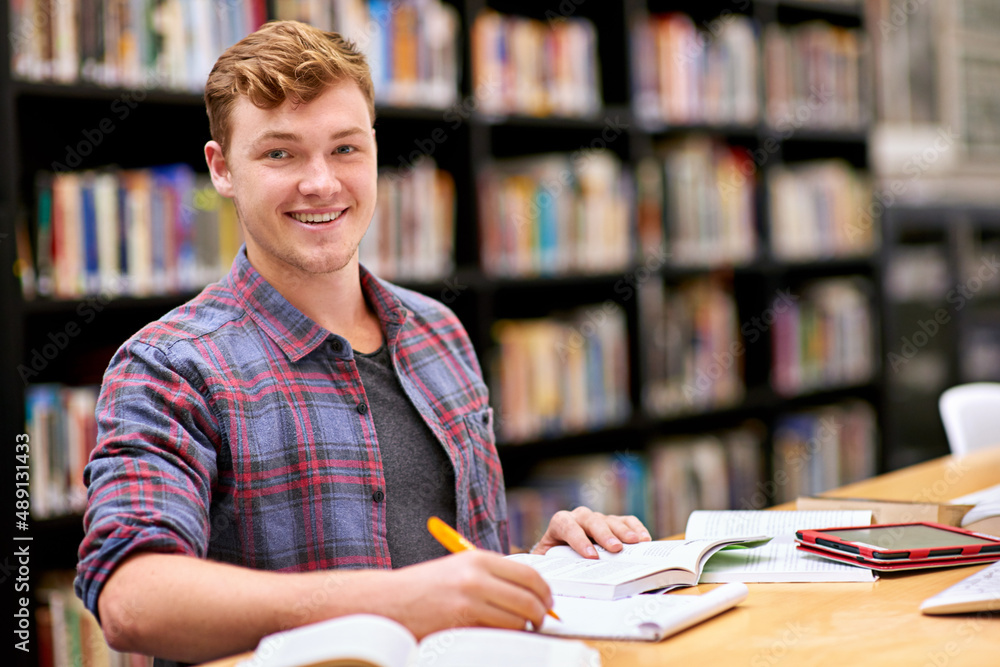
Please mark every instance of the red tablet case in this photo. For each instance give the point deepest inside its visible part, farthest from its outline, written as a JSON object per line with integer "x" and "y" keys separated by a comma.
{"x": 821, "y": 543}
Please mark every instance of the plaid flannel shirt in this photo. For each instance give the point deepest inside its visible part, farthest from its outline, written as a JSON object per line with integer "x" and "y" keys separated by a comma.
{"x": 235, "y": 428}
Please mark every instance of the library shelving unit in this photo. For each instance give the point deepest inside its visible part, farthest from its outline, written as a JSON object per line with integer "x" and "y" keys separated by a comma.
{"x": 39, "y": 121}
{"x": 940, "y": 296}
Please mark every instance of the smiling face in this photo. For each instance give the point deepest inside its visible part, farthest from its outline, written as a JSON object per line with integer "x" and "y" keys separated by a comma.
{"x": 303, "y": 179}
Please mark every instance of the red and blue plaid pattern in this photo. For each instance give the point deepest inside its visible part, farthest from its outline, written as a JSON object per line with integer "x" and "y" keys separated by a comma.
{"x": 235, "y": 428}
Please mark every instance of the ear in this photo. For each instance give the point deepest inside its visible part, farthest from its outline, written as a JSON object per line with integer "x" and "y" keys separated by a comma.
{"x": 221, "y": 178}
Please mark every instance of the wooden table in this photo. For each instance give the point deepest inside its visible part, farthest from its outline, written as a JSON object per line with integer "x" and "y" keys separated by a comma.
{"x": 842, "y": 624}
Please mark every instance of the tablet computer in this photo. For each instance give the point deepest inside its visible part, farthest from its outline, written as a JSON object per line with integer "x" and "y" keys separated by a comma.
{"x": 900, "y": 545}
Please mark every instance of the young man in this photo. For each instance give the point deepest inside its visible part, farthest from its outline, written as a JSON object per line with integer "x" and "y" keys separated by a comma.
{"x": 294, "y": 425}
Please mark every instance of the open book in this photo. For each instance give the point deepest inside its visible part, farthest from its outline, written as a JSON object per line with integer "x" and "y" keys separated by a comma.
{"x": 640, "y": 617}
{"x": 367, "y": 640}
{"x": 637, "y": 568}
{"x": 779, "y": 560}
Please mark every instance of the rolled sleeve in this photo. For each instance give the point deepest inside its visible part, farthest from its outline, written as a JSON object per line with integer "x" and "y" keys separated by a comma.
{"x": 149, "y": 479}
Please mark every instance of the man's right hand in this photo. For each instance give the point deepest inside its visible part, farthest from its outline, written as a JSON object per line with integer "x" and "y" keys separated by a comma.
{"x": 471, "y": 588}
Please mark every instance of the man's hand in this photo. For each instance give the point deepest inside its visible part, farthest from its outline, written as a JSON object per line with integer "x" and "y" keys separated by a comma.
{"x": 579, "y": 527}
{"x": 471, "y": 588}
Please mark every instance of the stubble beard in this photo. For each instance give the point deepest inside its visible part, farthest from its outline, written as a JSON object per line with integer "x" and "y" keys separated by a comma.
{"x": 290, "y": 265}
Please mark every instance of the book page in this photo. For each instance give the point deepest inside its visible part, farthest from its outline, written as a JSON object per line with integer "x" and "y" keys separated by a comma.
{"x": 779, "y": 560}
{"x": 607, "y": 571}
{"x": 640, "y": 617}
{"x": 668, "y": 553}
{"x": 487, "y": 647}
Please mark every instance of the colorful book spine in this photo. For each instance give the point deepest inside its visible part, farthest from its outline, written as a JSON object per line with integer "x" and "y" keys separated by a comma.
{"x": 131, "y": 232}
{"x": 823, "y": 337}
{"x": 63, "y": 430}
{"x": 555, "y": 376}
{"x": 551, "y": 215}
{"x": 709, "y": 471}
{"x": 813, "y": 77}
{"x": 691, "y": 345}
{"x": 819, "y": 210}
{"x": 412, "y": 235}
{"x": 695, "y": 74}
{"x": 412, "y": 46}
{"x": 169, "y": 44}
{"x": 536, "y": 68}
{"x": 707, "y": 199}
{"x": 821, "y": 449}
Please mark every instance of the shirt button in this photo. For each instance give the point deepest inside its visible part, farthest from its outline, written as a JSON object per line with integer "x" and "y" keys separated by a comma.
{"x": 337, "y": 345}
{"x": 486, "y": 418}
{"x": 378, "y": 496}
{"x": 362, "y": 408}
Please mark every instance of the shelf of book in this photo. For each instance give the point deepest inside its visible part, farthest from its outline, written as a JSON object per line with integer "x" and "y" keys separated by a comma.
{"x": 939, "y": 316}
{"x": 480, "y": 133}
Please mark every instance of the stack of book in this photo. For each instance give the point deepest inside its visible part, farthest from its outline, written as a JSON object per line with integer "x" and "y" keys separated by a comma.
{"x": 820, "y": 209}
{"x": 63, "y": 432}
{"x": 555, "y": 215}
{"x": 561, "y": 375}
{"x": 411, "y": 45}
{"x": 143, "y": 44}
{"x": 813, "y": 77}
{"x": 610, "y": 483}
{"x": 684, "y": 75}
{"x": 821, "y": 449}
{"x": 535, "y": 68}
{"x": 706, "y": 192}
{"x": 705, "y": 472}
{"x": 138, "y": 232}
{"x": 823, "y": 337}
{"x": 693, "y": 353}
{"x": 412, "y": 235}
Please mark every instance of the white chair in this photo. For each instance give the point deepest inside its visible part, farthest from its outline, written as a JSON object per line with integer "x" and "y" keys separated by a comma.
{"x": 971, "y": 416}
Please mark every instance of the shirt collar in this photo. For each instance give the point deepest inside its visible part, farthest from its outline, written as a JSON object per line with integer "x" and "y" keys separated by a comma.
{"x": 287, "y": 326}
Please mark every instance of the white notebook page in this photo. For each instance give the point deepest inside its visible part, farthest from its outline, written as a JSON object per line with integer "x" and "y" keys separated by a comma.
{"x": 779, "y": 560}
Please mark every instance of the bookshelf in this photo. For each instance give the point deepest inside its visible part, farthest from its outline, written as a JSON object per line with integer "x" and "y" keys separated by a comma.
{"x": 940, "y": 316}
{"x": 471, "y": 139}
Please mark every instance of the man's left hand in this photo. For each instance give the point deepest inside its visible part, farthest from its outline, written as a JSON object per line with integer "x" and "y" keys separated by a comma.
{"x": 582, "y": 527}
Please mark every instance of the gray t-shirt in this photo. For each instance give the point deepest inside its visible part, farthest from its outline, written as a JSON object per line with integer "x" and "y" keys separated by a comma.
{"x": 419, "y": 477}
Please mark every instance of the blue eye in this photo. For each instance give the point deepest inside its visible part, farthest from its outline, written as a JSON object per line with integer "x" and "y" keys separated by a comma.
{"x": 277, "y": 154}
{"x": 345, "y": 150}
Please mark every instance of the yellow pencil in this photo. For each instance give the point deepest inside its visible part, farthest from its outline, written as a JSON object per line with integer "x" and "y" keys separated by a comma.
{"x": 454, "y": 543}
